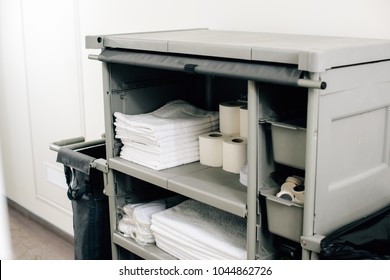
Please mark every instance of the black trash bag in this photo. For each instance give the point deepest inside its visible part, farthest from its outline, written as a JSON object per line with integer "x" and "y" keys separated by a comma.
{"x": 89, "y": 205}
{"x": 365, "y": 239}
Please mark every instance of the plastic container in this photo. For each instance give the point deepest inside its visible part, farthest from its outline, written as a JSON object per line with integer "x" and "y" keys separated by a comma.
{"x": 289, "y": 143}
{"x": 285, "y": 218}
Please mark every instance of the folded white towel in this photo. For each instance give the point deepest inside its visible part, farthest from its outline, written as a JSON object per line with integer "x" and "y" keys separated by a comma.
{"x": 142, "y": 214}
{"x": 214, "y": 228}
{"x": 135, "y": 232}
{"x": 136, "y": 221}
{"x": 166, "y": 137}
{"x": 159, "y": 164}
{"x": 163, "y": 156}
{"x": 186, "y": 243}
{"x": 124, "y": 130}
{"x": 183, "y": 250}
{"x": 162, "y": 150}
{"x": 175, "y": 251}
{"x": 174, "y": 115}
{"x": 129, "y": 208}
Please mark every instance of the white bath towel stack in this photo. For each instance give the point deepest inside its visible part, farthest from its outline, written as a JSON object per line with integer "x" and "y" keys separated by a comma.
{"x": 193, "y": 230}
{"x": 136, "y": 220}
{"x": 166, "y": 137}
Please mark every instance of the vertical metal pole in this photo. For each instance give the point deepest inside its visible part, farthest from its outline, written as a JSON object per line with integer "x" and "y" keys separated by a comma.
{"x": 311, "y": 163}
{"x": 253, "y": 104}
{"x": 109, "y": 188}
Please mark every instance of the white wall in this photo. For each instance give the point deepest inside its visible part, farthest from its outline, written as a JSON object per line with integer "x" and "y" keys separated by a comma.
{"x": 49, "y": 90}
{"x": 5, "y": 241}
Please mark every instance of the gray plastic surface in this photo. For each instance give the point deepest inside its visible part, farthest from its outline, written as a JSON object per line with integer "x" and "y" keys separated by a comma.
{"x": 209, "y": 185}
{"x": 310, "y": 53}
{"x": 148, "y": 252}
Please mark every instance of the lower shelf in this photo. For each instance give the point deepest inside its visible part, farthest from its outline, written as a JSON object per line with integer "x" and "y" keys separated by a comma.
{"x": 147, "y": 252}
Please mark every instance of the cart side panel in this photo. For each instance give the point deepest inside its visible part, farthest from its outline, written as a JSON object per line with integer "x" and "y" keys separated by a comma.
{"x": 353, "y": 146}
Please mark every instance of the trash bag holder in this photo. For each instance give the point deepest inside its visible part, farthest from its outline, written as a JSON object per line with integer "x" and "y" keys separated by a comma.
{"x": 84, "y": 163}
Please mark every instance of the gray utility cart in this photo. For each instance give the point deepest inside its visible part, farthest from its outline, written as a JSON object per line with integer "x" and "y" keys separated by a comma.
{"x": 339, "y": 89}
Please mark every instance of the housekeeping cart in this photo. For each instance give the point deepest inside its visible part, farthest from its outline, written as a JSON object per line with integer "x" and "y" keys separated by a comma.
{"x": 318, "y": 141}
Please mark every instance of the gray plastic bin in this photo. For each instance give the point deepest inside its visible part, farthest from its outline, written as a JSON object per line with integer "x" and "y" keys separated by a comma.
{"x": 289, "y": 143}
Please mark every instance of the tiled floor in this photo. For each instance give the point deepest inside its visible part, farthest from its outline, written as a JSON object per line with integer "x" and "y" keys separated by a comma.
{"x": 32, "y": 241}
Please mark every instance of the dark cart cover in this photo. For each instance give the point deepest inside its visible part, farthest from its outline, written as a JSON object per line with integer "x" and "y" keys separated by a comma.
{"x": 263, "y": 72}
{"x": 366, "y": 238}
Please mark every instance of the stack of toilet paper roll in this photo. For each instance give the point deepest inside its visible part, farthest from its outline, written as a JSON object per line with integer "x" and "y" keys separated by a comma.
{"x": 227, "y": 148}
{"x": 293, "y": 190}
{"x": 233, "y": 118}
{"x": 217, "y": 149}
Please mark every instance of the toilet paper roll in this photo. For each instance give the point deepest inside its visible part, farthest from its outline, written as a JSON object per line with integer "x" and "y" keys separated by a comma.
{"x": 294, "y": 186}
{"x": 299, "y": 194}
{"x": 285, "y": 195}
{"x": 234, "y": 154}
{"x": 288, "y": 186}
{"x": 244, "y": 121}
{"x": 295, "y": 179}
{"x": 229, "y": 117}
{"x": 210, "y": 148}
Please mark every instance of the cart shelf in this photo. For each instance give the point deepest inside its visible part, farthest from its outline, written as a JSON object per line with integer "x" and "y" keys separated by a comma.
{"x": 210, "y": 185}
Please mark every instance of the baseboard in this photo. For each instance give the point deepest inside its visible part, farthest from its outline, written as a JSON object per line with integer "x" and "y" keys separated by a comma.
{"x": 28, "y": 214}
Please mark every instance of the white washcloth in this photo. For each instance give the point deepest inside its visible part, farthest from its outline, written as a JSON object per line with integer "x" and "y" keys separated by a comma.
{"x": 216, "y": 229}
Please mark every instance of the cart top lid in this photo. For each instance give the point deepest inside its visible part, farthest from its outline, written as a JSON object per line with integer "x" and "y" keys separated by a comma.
{"x": 309, "y": 53}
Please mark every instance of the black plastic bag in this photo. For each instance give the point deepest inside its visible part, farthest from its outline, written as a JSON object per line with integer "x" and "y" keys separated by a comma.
{"x": 365, "y": 239}
{"x": 90, "y": 206}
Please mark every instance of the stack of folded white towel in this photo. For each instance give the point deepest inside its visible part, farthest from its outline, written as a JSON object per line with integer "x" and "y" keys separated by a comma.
{"x": 193, "y": 230}
{"x": 136, "y": 220}
{"x": 166, "y": 137}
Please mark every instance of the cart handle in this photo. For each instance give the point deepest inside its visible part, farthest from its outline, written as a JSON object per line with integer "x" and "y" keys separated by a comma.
{"x": 75, "y": 143}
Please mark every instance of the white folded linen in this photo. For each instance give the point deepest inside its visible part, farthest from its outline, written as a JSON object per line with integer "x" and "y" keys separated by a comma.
{"x": 124, "y": 130}
{"x": 158, "y": 164}
{"x": 175, "y": 251}
{"x": 189, "y": 246}
{"x": 166, "y": 137}
{"x": 182, "y": 250}
{"x": 176, "y": 114}
{"x": 136, "y": 221}
{"x": 215, "y": 229}
{"x": 169, "y": 149}
{"x": 167, "y": 156}
{"x": 129, "y": 208}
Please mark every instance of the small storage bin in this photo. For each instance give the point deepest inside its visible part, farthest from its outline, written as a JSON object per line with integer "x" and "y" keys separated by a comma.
{"x": 289, "y": 143}
{"x": 285, "y": 218}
